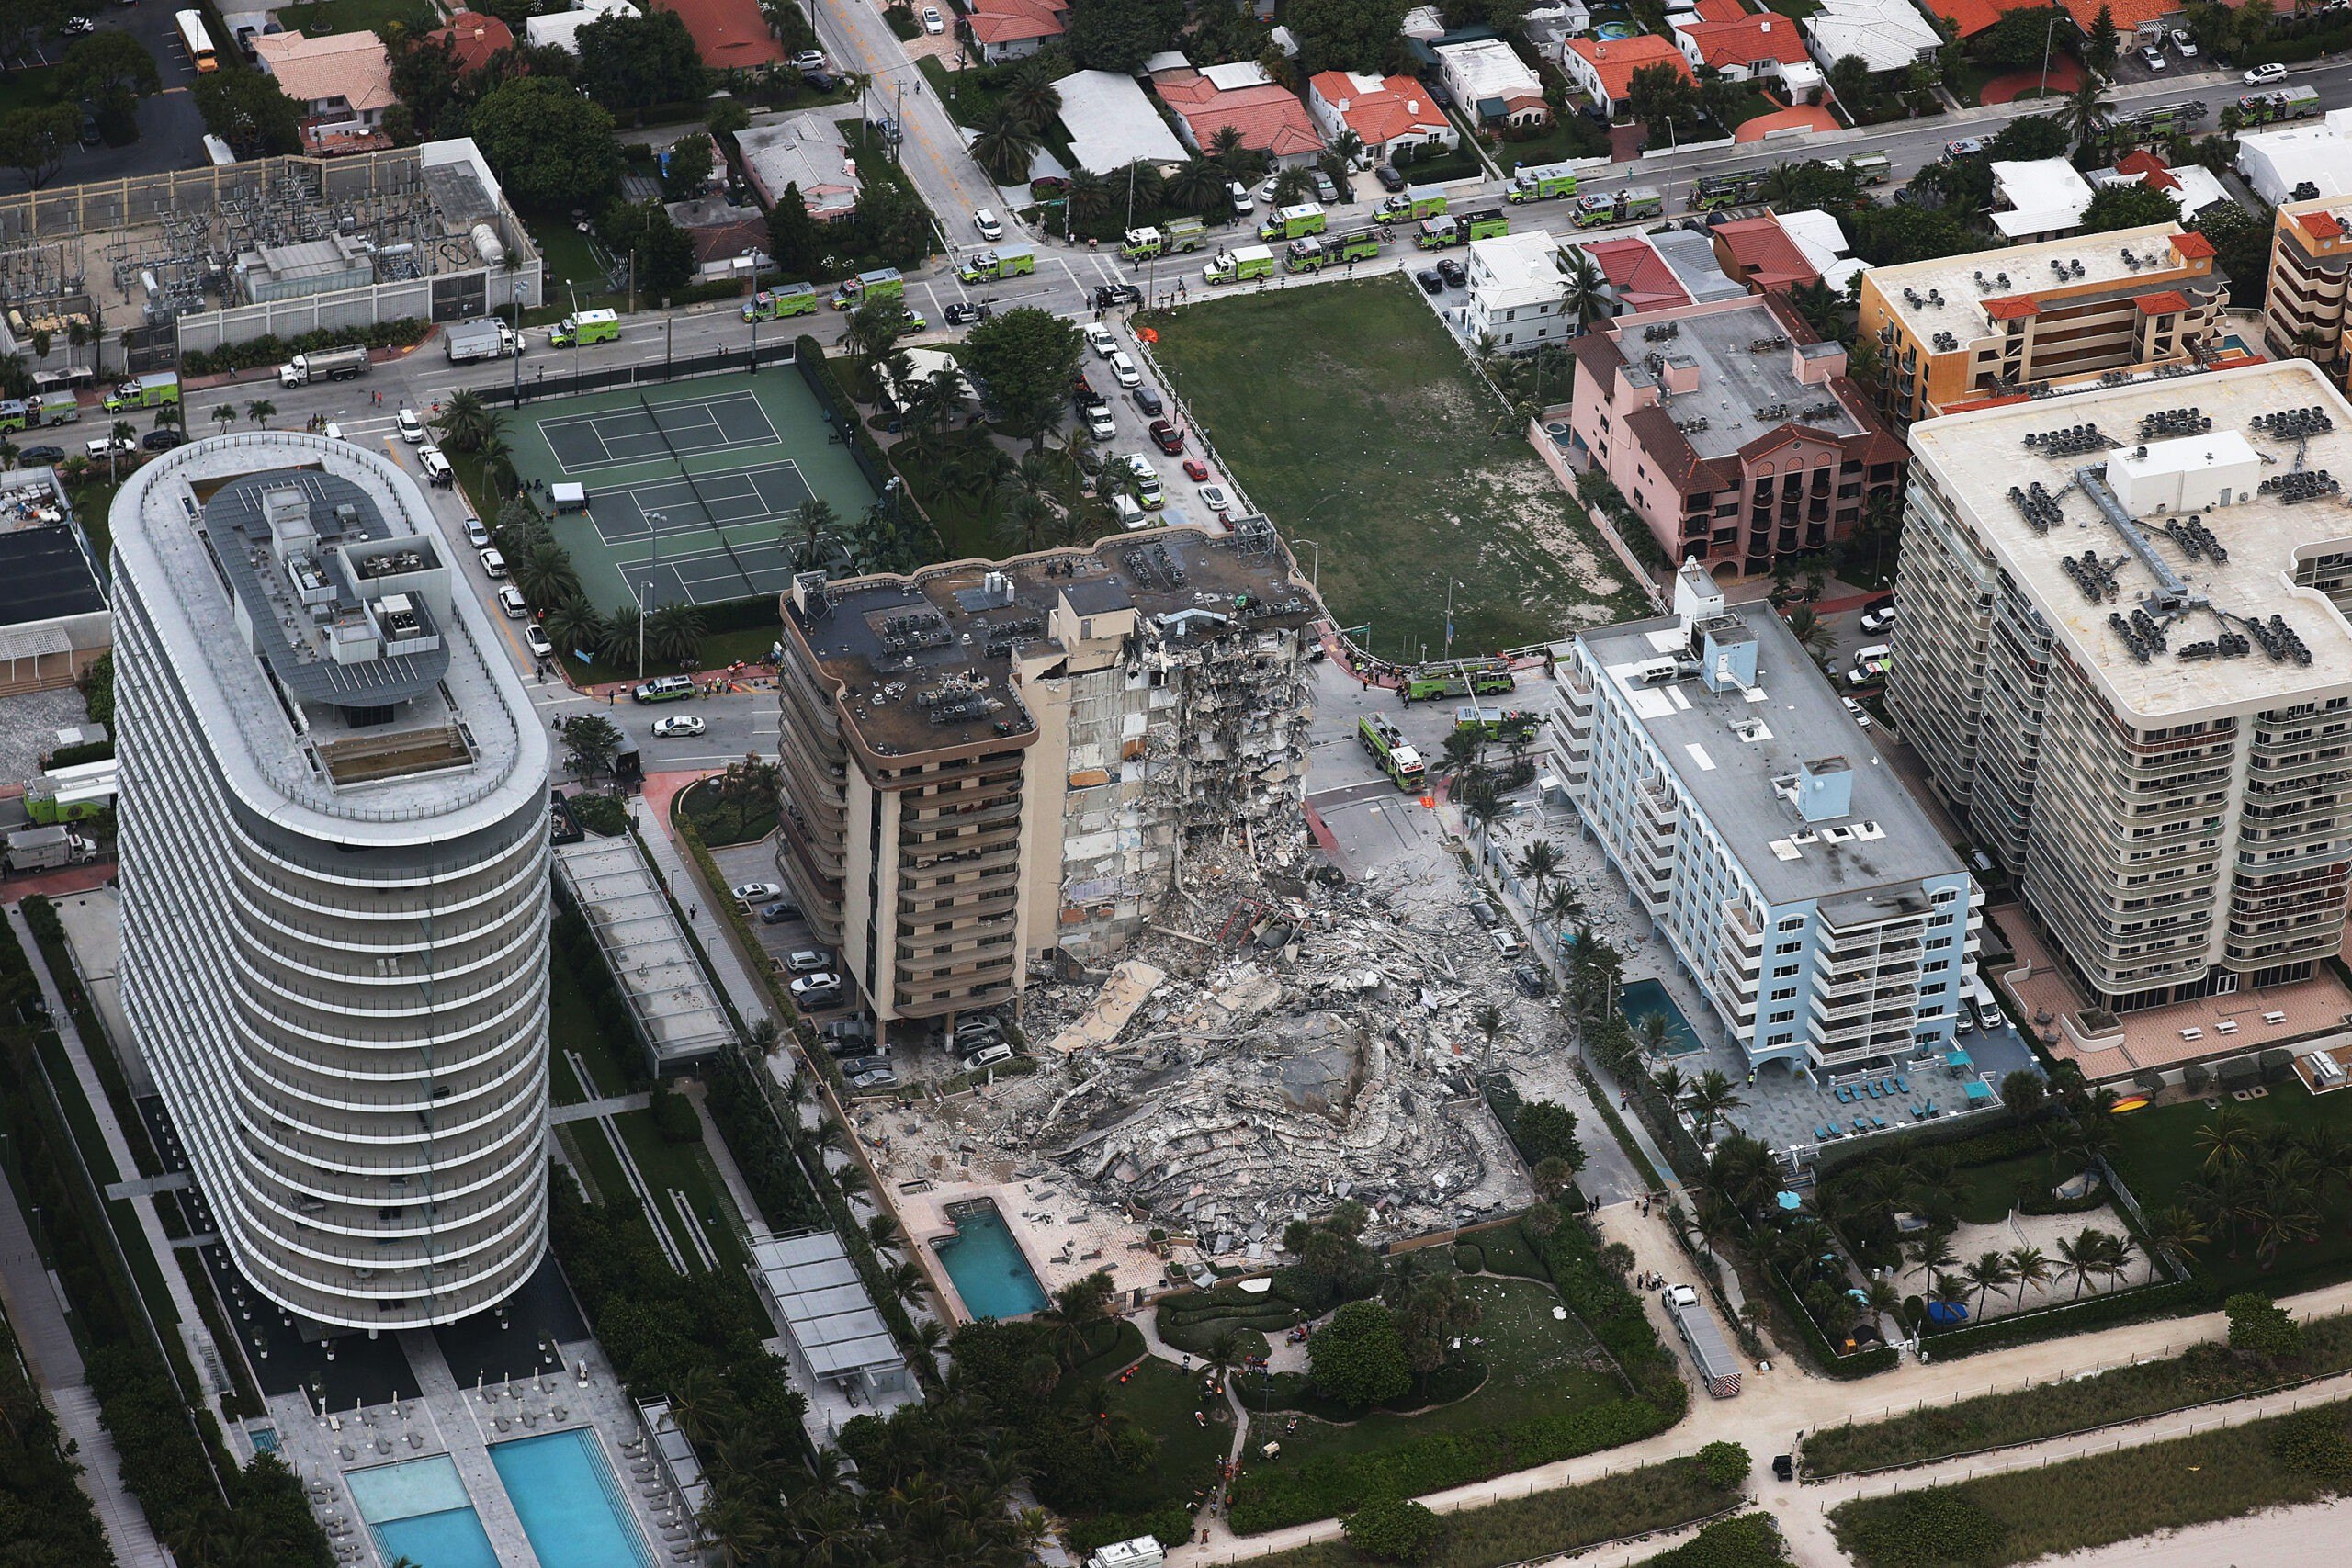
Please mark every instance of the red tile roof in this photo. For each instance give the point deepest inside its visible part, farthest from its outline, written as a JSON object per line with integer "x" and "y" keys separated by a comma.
{"x": 1640, "y": 275}
{"x": 2165, "y": 302}
{"x": 730, "y": 35}
{"x": 2192, "y": 246}
{"x": 2151, "y": 169}
{"x": 1010, "y": 21}
{"x": 1720, "y": 10}
{"x": 1616, "y": 61}
{"x": 1765, "y": 256}
{"x": 1748, "y": 40}
{"x": 1399, "y": 106}
{"x": 2127, "y": 14}
{"x": 2321, "y": 225}
{"x": 1972, "y": 17}
{"x": 1270, "y": 118}
{"x": 2012, "y": 308}
{"x": 474, "y": 38}
{"x": 725, "y": 241}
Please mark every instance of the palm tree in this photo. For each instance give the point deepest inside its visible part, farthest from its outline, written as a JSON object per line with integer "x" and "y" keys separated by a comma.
{"x": 224, "y": 416}
{"x": 1587, "y": 289}
{"x": 1650, "y": 1033}
{"x": 1561, "y": 907}
{"x": 1198, "y": 186}
{"x": 9, "y": 453}
{"x": 573, "y": 623}
{"x": 1023, "y": 520}
{"x": 2027, "y": 1266}
{"x": 883, "y": 1234}
{"x": 2228, "y": 1139}
{"x": 674, "y": 634}
{"x": 1539, "y": 862}
{"x": 909, "y": 1283}
{"x": 2080, "y": 1258}
{"x": 1074, "y": 1311}
{"x": 259, "y": 411}
{"x": 1088, "y": 196}
{"x": 1030, "y": 94}
{"x": 119, "y": 438}
{"x": 1815, "y": 635}
{"x": 1712, "y": 1098}
{"x": 1948, "y": 1289}
{"x": 1226, "y": 148}
{"x": 616, "y": 642}
{"x": 1006, "y": 146}
{"x": 1989, "y": 1273}
{"x": 1291, "y": 187}
{"x": 1882, "y": 1297}
{"x": 544, "y": 574}
{"x": 1932, "y": 1252}
{"x": 466, "y": 420}
{"x": 2085, "y": 108}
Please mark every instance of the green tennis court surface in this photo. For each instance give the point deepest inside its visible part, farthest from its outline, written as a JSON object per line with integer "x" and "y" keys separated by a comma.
{"x": 693, "y": 488}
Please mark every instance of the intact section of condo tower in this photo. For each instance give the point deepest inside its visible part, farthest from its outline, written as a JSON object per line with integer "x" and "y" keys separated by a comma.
{"x": 334, "y": 878}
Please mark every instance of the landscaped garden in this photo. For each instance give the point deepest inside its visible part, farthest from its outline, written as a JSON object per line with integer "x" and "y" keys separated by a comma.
{"x": 1387, "y": 448}
{"x": 2024, "y": 1515}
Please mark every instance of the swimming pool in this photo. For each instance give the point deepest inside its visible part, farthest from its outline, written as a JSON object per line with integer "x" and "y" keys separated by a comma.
{"x": 570, "y": 1501}
{"x": 1644, "y": 997}
{"x": 419, "y": 1509}
{"x": 985, "y": 1262}
{"x": 1614, "y": 30}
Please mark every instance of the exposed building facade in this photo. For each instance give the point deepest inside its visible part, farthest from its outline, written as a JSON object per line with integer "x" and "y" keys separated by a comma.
{"x": 1957, "y": 329}
{"x": 2124, "y": 658}
{"x": 2311, "y": 257}
{"x": 1819, "y": 911}
{"x": 334, "y": 878}
{"x": 1518, "y": 292}
{"x": 1733, "y": 433}
{"x": 984, "y": 761}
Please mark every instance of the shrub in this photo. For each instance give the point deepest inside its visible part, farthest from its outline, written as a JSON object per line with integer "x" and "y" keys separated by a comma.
{"x": 1360, "y": 1357}
{"x": 2313, "y": 1442}
{"x": 1923, "y": 1529}
{"x": 1748, "y": 1540}
{"x": 1392, "y": 1529}
{"x": 603, "y": 815}
{"x": 1468, "y": 1258}
{"x": 674, "y": 1117}
{"x": 2258, "y": 1327}
{"x": 1724, "y": 1465}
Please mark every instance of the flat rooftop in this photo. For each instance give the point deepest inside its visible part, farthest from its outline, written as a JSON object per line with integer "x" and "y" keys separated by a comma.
{"x": 679, "y": 1015}
{"x": 1977, "y": 456}
{"x": 1727, "y": 747}
{"x": 927, "y": 659}
{"x": 338, "y": 667}
{"x": 1747, "y": 378}
{"x": 44, "y": 575}
{"x": 1690, "y": 256}
{"x": 2121, "y": 258}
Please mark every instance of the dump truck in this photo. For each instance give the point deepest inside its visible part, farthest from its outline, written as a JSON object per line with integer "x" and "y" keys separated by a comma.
{"x": 152, "y": 391}
{"x": 1718, "y": 1367}
{"x": 327, "y": 365}
{"x": 1292, "y": 223}
{"x": 1386, "y": 744}
{"x": 2280, "y": 102}
{"x": 1179, "y": 235}
{"x": 484, "y": 339}
{"x": 46, "y": 848}
{"x": 1714, "y": 191}
{"x": 1619, "y": 206}
{"x": 589, "y": 326}
{"x": 882, "y": 283}
{"x": 1412, "y": 205}
{"x": 998, "y": 262}
{"x": 1541, "y": 182}
{"x": 1240, "y": 264}
{"x": 785, "y": 300}
{"x": 1487, "y": 225}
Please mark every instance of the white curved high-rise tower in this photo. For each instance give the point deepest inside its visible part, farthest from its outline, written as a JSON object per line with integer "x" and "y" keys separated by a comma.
{"x": 334, "y": 878}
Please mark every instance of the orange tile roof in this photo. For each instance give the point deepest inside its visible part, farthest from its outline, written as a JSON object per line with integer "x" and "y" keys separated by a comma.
{"x": 728, "y": 34}
{"x": 1746, "y": 40}
{"x": 350, "y": 66}
{"x": 2321, "y": 225}
{"x": 474, "y": 38}
{"x": 2164, "y": 303}
{"x": 1638, "y": 273}
{"x": 1972, "y": 17}
{"x": 1009, "y": 21}
{"x": 2153, "y": 171}
{"x": 2127, "y": 14}
{"x": 1720, "y": 10}
{"x": 2015, "y": 305}
{"x": 1765, "y": 255}
{"x": 1399, "y": 106}
{"x": 1270, "y": 118}
{"x": 1616, "y": 61}
{"x": 2193, "y": 246}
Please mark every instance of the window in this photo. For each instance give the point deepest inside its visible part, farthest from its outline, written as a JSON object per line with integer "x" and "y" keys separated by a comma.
{"x": 1782, "y": 994}
{"x": 1794, "y": 923}
{"x": 1782, "y": 1016}
{"x": 1783, "y": 971}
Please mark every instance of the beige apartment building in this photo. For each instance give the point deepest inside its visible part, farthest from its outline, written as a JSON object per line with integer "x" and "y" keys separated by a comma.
{"x": 986, "y": 761}
{"x": 2311, "y": 256}
{"x": 1955, "y": 331}
{"x": 2124, "y": 658}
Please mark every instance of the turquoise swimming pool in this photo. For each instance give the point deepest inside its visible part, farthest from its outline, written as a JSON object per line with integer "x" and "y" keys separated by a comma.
{"x": 1644, "y": 997}
{"x": 985, "y": 1262}
{"x": 570, "y": 1501}
{"x": 419, "y": 1509}
{"x": 1615, "y": 30}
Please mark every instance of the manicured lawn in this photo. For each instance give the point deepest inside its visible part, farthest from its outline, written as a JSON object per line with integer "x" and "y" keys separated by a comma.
{"x": 722, "y": 822}
{"x": 323, "y": 17}
{"x": 569, "y": 260}
{"x": 1384, "y": 445}
{"x": 1987, "y": 1192}
{"x": 1572, "y": 135}
{"x": 687, "y": 1168}
{"x": 1536, "y": 1365}
{"x": 1161, "y": 1398}
{"x": 2158, "y": 1156}
{"x": 2025, "y": 1515}
{"x": 571, "y": 1027}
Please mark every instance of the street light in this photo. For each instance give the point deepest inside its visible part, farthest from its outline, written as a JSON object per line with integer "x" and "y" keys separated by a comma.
{"x": 1315, "y": 576}
{"x": 2046, "y": 52}
{"x": 645, "y": 596}
{"x": 575, "y": 334}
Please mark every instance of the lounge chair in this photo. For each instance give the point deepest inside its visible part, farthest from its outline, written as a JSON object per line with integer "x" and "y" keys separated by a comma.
{"x": 1879, "y": 1123}
{"x": 1902, "y": 1084}
{"x": 1861, "y": 1124}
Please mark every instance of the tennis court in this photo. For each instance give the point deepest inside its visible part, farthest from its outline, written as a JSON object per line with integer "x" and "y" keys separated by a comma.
{"x": 693, "y": 488}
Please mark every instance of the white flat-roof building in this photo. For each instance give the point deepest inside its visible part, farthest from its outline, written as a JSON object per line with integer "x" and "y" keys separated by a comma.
{"x": 561, "y": 29}
{"x": 1113, "y": 123}
{"x": 334, "y": 878}
{"x": 2277, "y": 165}
{"x": 1516, "y": 289}
{"x": 2044, "y": 197}
{"x": 1886, "y": 35}
{"x": 1490, "y": 81}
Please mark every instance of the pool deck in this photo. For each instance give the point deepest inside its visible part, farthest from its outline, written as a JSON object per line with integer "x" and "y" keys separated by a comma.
{"x": 463, "y": 1422}
{"x": 1054, "y": 1228}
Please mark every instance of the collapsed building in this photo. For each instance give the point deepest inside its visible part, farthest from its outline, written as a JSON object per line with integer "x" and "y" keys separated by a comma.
{"x": 985, "y": 763}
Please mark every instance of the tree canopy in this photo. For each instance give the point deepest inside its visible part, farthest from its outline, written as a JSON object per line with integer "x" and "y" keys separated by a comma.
{"x": 552, "y": 147}
{"x": 1120, "y": 35}
{"x": 2034, "y": 136}
{"x": 664, "y": 252}
{"x": 111, "y": 68}
{"x": 2128, "y": 206}
{"x": 634, "y": 63}
{"x": 1344, "y": 35}
{"x": 33, "y": 141}
{"x": 1029, "y": 359}
{"x": 247, "y": 109}
{"x": 1547, "y": 1131}
{"x": 1359, "y": 1356}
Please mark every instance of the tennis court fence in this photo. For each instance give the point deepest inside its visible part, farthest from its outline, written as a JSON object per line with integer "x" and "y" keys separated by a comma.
{"x": 649, "y": 372}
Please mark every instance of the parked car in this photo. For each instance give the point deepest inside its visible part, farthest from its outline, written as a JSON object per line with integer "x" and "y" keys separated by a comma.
{"x": 2152, "y": 57}
{"x": 538, "y": 640}
{"x": 962, "y": 315}
{"x": 1878, "y": 618}
{"x": 985, "y": 220}
{"x": 110, "y": 446}
{"x": 1390, "y": 180}
{"x": 1431, "y": 279}
{"x": 1530, "y": 979}
{"x": 2261, "y": 75}
{"x": 756, "y": 892}
{"x": 1195, "y": 471}
{"x": 1507, "y": 943}
{"x": 1167, "y": 437}
{"x": 28, "y": 455}
{"x": 809, "y": 961}
{"x": 823, "y": 982}
{"x": 493, "y": 563}
{"x": 932, "y": 21}
{"x": 1147, "y": 401}
{"x": 1324, "y": 189}
{"x": 677, "y": 725}
{"x": 845, "y": 1035}
{"x": 1122, "y": 369}
{"x": 874, "y": 1082}
{"x": 475, "y": 535}
{"x": 1214, "y": 499}
{"x": 2182, "y": 45}
{"x": 1099, "y": 339}
{"x": 1484, "y": 913}
{"x": 75, "y": 27}
{"x": 821, "y": 81}
{"x": 1110, "y": 295}
{"x": 1857, "y": 711}
{"x": 775, "y": 914}
{"x": 987, "y": 1057}
{"x": 809, "y": 59}
{"x": 1454, "y": 272}
{"x": 161, "y": 440}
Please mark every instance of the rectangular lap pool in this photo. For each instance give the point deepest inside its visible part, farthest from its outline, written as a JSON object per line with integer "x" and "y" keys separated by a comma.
{"x": 418, "y": 1509}
{"x": 570, "y": 1501}
{"x": 1644, "y": 998}
{"x": 985, "y": 1261}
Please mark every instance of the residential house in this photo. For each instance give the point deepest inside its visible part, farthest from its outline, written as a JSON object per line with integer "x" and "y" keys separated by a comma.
{"x": 1759, "y": 253}
{"x": 1639, "y": 278}
{"x": 1269, "y": 116}
{"x": 1731, "y": 430}
{"x": 1823, "y": 242}
{"x": 2192, "y": 187}
{"x": 1517, "y": 293}
{"x": 809, "y": 150}
{"x": 1885, "y": 35}
{"x": 1111, "y": 123}
{"x": 999, "y": 30}
{"x": 1487, "y": 78}
{"x": 2038, "y": 199}
{"x": 1603, "y": 68}
{"x": 344, "y": 83}
{"x": 1755, "y": 46}
{"x": 732, "y": 36}
{"x": 1549, "y": 26}
{"x": 474, "y": 39}
{"x": 1384, "y": 113}
{"x": 561, "y": 29}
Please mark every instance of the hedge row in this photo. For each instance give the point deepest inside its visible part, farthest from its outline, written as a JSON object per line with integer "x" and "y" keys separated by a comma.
{"x": 271, "y": 349}
{"x": 1599, "y": 1295}
{"x": 1746, "y": 1540}
{"x": 2178, "y": 1298}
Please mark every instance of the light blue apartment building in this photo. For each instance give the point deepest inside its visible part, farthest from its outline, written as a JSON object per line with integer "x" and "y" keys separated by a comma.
{"x": 1820, "y": 912}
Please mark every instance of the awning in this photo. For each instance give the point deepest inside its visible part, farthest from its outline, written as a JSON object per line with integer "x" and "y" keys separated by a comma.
{"x": 1956, "y": 1057}
{"x": 1979, "y": 1091}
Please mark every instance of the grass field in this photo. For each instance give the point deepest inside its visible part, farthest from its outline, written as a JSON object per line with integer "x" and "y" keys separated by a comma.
{"x": 2158, "y": 1155}
{"x": 1536, "y": 1364}
{"x": 2025, "y": 1515}
{"x": 1385, "y": 446}
{"x": 323, "y": 17}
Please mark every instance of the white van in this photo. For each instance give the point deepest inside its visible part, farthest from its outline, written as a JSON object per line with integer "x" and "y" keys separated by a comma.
{"x": 510, "y": 599}
{"x": 987, "y": 1057}
{"x": 437, "y": 471}
{"x": 1130, "y": 511}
